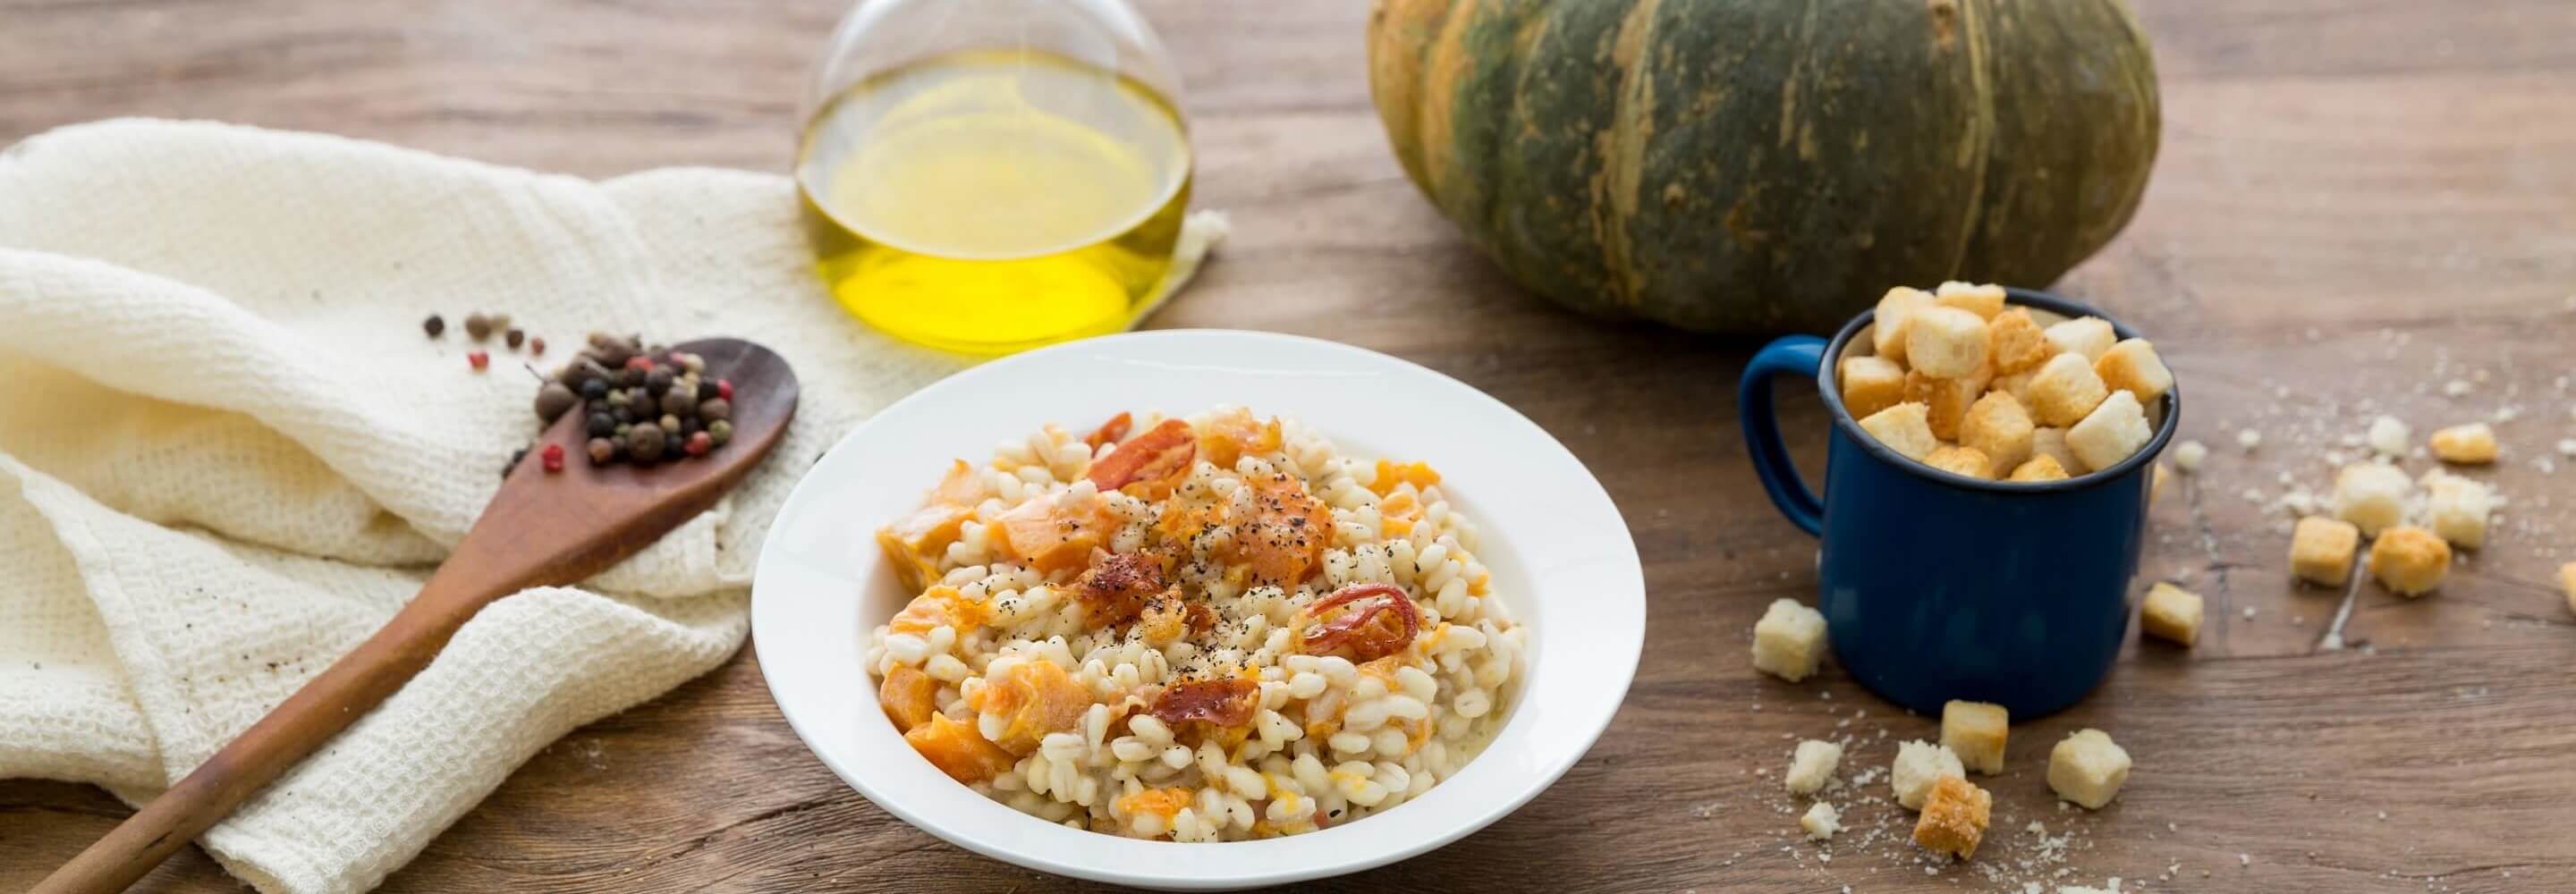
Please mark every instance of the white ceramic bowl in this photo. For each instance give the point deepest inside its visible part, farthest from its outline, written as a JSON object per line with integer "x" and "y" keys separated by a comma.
{"x": 1559, "y": 553}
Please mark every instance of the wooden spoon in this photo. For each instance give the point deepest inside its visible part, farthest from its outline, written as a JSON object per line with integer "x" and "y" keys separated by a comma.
{"x": 542, "y": 529}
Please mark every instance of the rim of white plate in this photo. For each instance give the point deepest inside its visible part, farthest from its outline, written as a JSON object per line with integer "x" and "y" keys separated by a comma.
{"x": 1560, "y": 554}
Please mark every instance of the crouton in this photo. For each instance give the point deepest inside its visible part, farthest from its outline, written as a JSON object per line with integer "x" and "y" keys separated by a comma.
{"x": 2089, "y": 337}
{"x": 2132, "y": 366}
{"x": 2409, "y": 561}
{"x": 1975, "y": 731}
{"x": 2064, "y": 389}
{"x": 1998, "y": 426}
{"x": 2115, "y": 429}
{"x": 1986, "y": 300}
{"x": 1789, "y": 641}
{"x": 1954, "y": 818}
{"x": 2321, "y": 550}
{"x": 2016, "y": 342}
{"x": 2471, "y": 444}
{"x": 2088, "y": 768}
{"x": 2171, "y": 613}
{"x": 1905, "y": 428}
{"x": 1887, "y": 327}
{"x": 2039, "y": 468}
{"x": 1945, "y": 342}
{"x": 1870, "y": 384}
{"x": 1957, "y": 460}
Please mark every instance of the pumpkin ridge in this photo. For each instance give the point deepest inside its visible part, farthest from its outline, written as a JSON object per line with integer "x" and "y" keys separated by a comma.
{"x": 1978, "y": 145}
{"x": 1623, "y": 158}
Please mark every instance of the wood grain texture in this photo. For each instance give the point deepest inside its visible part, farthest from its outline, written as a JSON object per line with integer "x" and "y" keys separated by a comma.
{"x": 2356, "y": 202}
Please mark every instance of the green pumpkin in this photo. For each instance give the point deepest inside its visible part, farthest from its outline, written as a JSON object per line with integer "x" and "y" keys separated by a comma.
{"x": 1759, "y": 165}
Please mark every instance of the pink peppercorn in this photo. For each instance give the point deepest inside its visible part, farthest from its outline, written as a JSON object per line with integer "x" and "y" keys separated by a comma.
{"x": 640, "y": 363}
{"x": 724, "y": 388}
{"x": 699, "y": 444}
{"x": 553, "y": 458}
{"x": 479, "y": 360}
{"x": 537, "y": 345}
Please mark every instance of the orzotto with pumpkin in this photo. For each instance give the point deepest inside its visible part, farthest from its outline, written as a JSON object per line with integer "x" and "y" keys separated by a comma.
{"x": 1209, "y": 628}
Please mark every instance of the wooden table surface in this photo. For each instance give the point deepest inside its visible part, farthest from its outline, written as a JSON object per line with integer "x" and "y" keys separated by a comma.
{"x": 2356, "y": 203}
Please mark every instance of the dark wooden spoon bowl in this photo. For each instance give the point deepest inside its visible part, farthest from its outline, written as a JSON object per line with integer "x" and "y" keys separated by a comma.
{"x": 542, "y": 529}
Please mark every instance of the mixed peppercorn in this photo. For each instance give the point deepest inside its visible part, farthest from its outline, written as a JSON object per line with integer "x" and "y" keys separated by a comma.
{"x": 641, "y": 404}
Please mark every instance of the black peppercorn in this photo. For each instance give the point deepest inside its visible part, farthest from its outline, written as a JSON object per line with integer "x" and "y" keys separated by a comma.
{"x": 594, "y": 389}
{"x": 436, "y": 325}
{"x": 645, "y": 442}
{"x": 602, "y": 425}
{"x": 708, "y": 391}
{"x": 553, "y": 400}
{"x": 515, "y": 337}
{"x": 515, "y": 457}
{"x": 659, "y": 380}
{"x": 677, "y": 402}
{"x": 718, "y": 408}
{"x": 477, "y": 327}
{"x": 621, "y": 412}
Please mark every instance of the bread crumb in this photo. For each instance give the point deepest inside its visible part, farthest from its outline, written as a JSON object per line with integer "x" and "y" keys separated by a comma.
{"x": 1821, "y": 821}
{"x": 2389, "y": 436}
{"x": 1918, "y": 764}
{"x": 2471, "y": 444}
{"x": 2456, "y": 388}
{"x": 2189, "y": 454}
{"x": 1811, "y": 766}
{"x": 2249, "y": 439}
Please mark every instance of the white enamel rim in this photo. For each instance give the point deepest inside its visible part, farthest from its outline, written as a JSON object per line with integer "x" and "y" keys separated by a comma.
{"x": 1560, "y": 555}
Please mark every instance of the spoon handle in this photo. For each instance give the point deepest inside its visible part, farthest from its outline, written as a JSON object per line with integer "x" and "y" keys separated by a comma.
{"x": 327, "y": 704}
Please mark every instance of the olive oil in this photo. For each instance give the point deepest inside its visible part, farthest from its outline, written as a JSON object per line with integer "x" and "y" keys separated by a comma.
{"x": 994, "y": 200}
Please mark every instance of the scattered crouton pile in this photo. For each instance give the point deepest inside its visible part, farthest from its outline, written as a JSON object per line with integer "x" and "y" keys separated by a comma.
{"x": 1958, "y": 382}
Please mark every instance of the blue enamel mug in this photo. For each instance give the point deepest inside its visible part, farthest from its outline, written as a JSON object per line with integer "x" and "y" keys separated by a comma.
{"x": 1937, "y": 586}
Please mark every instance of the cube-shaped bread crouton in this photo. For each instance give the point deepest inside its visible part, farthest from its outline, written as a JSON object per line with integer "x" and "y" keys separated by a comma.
{"x": 1957, "y": 460}
{"x": 2321, "y": 550}
{"x": 2088, "y": 768}
{"x": 2567, "y": 581}
{"x": 2372, "y": 496}
{"x": 2015, "y": 342}
{"x": 1975, "y": 732}
{"x": 2171, "y": 614}
{"x": 2089, "y": 337}
{"x": 1812, "y": 766}
{"x": 2409, "y": 561}
{"x": 2132, "y": 366}
{"x": 1918, "y": 765}
{"x": 2457, "y": 508}
{"x": 2051, "y": 443}
{"x": 2471, "y": 444}
{"x": 2042, "y": 467}
{"x": 1954, "y": 818}
{"x": 1821, "y": 821}
{"x": 1870, "y": 384}
{"x": 2116, "y": 428}
{"x": 2016, "y": 384}
{"x": 2064, "y": 390}
{"x": 1945, "y": 401}
{"x": 1985, "y": 300}
{"x": 1789, "y": 641}
{"x": 1905, "y": 428}
{"x": 1887, "y": 327}
{"x": 1998, "y": 427}
{"x": 1945, "y": 342}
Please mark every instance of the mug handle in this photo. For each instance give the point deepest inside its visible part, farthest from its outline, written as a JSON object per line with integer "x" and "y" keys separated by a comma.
{"x": 1802, "y": 355}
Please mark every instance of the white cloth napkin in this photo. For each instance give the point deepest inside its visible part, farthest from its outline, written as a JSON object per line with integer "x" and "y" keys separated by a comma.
{"x": 228, "y": 453}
